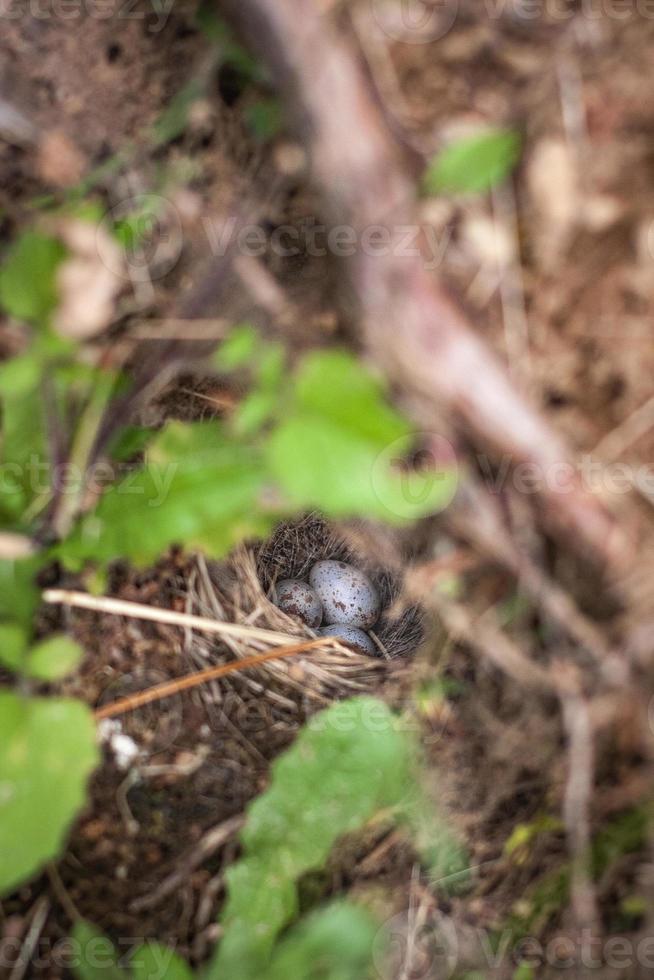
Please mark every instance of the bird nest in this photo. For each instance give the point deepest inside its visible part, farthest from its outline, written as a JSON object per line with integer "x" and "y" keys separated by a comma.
{"x": 240, "y": 590}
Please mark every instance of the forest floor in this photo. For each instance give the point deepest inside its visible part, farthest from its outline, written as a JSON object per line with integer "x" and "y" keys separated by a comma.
{"x": 555, "y": 269}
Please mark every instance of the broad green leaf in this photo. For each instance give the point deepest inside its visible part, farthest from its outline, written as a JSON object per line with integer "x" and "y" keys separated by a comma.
{"x": 322, "y": 464}
{"x": 95, "y": 957}
{"x": 334, "y": 384}
{"x": 13, "y": 645}
{"x": 196, "y": 487}
{"x": 338, "y": 446}
{"x": 473, "y": 164}
{"x": 52, "y": 659}
{"x": 349, "y": 763}
{"x": 154, "y": 961}
{"x": 27, "y": 278}
{"x": 334, "y": 943}
{"x": 47, "y": 753}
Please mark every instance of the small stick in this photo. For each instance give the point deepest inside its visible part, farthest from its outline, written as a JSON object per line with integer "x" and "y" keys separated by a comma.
{"x": 123, "y": 607}
{"x": 41, "y": 912}
{"x": 206, "y": 846}
{"x": 168, "y": 688}
{"x": 578, "y": 795}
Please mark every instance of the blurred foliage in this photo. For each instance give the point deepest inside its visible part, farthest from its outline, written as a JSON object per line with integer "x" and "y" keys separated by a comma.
{"x": 98, "y": 959}
{"x": 352, "y": 763}
{"x": 27, "y": 277}
{"x": 474, "y": 163}
{"x": 47, "y": 754}
{"x": 348, "y": 764}
{"x": 548, "y": 897}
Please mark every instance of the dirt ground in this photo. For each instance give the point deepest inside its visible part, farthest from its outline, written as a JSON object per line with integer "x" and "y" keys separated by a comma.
{"x": 555, "y": 269}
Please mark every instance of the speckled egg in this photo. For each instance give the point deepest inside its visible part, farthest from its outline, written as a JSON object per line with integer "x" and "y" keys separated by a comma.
{"x": 296, "y": 598}
{"x": 351, "y": 637}
{"x": 347, "y": 595}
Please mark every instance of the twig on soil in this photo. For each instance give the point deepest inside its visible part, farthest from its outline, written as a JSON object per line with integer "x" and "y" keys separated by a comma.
{"x": 206, "y": 846}
{"x": 210, "y": 328}
{"x": 486, "y": 636}
{"x": 417, "y": 334}
{"x": 169, "y": 688}
{"x": 41, "y": 912}
{"x": 61, "y": 893}
{"x": 578, "y": 794}
{"x": 476, "y": 518}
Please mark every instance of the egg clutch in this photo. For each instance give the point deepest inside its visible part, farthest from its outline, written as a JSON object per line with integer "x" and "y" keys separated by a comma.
{"x": 340, "y": 597}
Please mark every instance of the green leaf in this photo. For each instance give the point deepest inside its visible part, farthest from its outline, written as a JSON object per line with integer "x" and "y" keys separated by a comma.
{"x": 196, "y": 487}
{"x": 96, "y": 957}
{"x": 129, "y": 442}
{"x": 53, "y": 658}
{"x": 254, "y": 411}
{"x": 26, "y": 470}
{"x": 19, "y": 595}
{"x": 154, "y": 961}
{"x": 47, "y": 752}
{"x": 13, "y": 644}
{"x": 338, "y": 445}
{"x": 321, "y": 464}
{"x": 474, "y": 163}
{"x": 523, "y": 972}
{"x": 333, "y": 943}
{"x": 27, "y": 278}
{"x": 335, "y": 385}
{"x": 238, "y": 349}
{"x": 349, "y": 763}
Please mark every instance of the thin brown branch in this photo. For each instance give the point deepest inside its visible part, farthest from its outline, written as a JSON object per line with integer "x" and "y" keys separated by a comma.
{"x": 170, "y": 617}
{"x": 205, "y": 847}
{"x": 169, "y": 688}
{"x": 578, "y": 795}
{"x": 485, "y": 635}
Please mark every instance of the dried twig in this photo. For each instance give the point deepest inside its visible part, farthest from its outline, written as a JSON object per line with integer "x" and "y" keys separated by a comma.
{"x": 41, "y": 912}
{"x": 487, "y": 637}
{"x": 169, "y": 688}
{"x": 205, "y": 847}
{"x": 578, "y": 795}
{"x": 137, "y": 610}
